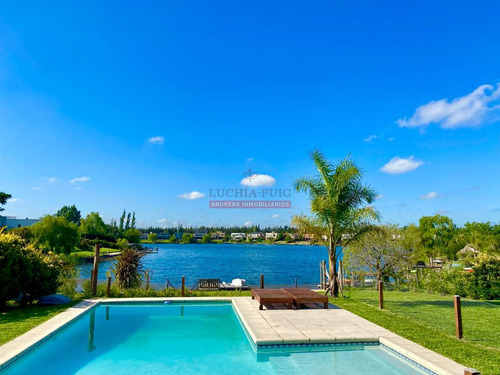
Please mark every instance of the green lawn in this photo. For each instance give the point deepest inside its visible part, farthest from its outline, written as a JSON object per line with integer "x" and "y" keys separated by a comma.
{"x": 83, "y": 254}
{"x": 14, "y": 321}
{"x": 428, "y": 320}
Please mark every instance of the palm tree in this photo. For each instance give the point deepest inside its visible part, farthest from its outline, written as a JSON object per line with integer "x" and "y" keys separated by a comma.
{"x": 338, "y": 206}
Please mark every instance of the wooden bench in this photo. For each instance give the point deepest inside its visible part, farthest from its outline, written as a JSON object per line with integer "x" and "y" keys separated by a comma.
{"x": 208, "y": 284}
{"x": 272, "y": 296}
{"x": 301, "y": 296}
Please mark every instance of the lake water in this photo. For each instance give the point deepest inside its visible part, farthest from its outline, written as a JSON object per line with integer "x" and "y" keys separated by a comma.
{"x": 280, "y": 264}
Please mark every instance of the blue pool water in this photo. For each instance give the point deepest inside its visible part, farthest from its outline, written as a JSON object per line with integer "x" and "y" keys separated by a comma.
{"x": 280, "y": 264}
{"x": 188, "y": 338}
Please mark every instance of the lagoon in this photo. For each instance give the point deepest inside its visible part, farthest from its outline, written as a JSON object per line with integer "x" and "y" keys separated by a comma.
{"x": 280, "y": 264}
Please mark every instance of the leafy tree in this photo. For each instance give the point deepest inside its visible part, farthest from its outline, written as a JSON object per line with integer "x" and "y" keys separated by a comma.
{"x": 437, "y": 232}
{"x": 26, "y": 233}
{"x": 187, "y": 238}
{"x": 55, "y": 234}
{"x": 127, "y": 269}
{"x": 411, "y": 241}
{"x": 172, "y": 239}
{"x": 71, "y": 213}
{"x": 93, "y": 224}
{"x": 480, "y": 236}
{"x": 122, "y": 221}
{"x": 122, "y": 243}
{"x": 206, "y": 238}
{"x": 3, "y": 199}
{"x": 338, "y": 204}
{"x": 379, "y": 251}
{"x": 288, "y": 239}
{"x": 153, "y": 237}
{"x": 132, "y": 222}
{"x": 127, "y": 223}
{"x": 132, "y": 235}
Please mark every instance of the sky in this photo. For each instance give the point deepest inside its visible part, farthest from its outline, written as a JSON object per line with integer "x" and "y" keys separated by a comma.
{"x": 147, "y": 106}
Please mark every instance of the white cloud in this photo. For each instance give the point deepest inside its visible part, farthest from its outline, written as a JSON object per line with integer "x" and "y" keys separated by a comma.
{"x": 12, "y": 200}
{"x": 250, "y": 159}
{"x": 399, "y": 165}
{"x": 430, "y": 195}
{"x": 158, "y": 140}
{"x": 162, "y": 221}
{"x": 466, "y": 111}
{"x": 258, "y": 180}
{"x": 370, "y": 138}
{"x": 192, "y": 195}
{"x": 52, "y": 179}
{"x": 78, "y": 188}
{"x": 275, "y": 216}
{"x": 80, "y": 179}
{"x": 36, "y": 188}
{"x": 247, "y": 224}
{"x": 380, "y": 196}
{"x": 390, "y": 139}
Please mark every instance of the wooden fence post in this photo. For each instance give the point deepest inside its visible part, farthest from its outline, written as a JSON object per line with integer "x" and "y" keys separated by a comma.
{"x": 380, "y": 295}
{"x": 95, "y": 270}
{"x": 458, "y": 316}
{"x": 183, "y": 286}
{"x": 261, "y": 281}
{"x": 295, "y": 283}
{"x": 108, "y": 289}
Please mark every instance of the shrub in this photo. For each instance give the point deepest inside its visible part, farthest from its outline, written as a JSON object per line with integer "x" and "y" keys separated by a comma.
{"x": 24, "y": 269}
{"x": 122, "y": 243}
{"x": 127, "y": 269}
{"x": 484, "y": 282}
{"x": 153, "y": 237}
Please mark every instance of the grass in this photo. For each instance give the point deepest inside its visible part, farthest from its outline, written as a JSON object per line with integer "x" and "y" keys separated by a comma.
{"x": 428, "y": 320}
{"x": 15, "y": 320}
{"x": 84, "y": 254}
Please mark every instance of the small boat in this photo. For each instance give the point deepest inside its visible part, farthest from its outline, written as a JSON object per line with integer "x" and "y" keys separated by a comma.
{"x": 235, "y": 284}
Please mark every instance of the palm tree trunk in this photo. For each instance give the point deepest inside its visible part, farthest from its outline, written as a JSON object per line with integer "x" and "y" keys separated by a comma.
{"x": 334, "y": 285}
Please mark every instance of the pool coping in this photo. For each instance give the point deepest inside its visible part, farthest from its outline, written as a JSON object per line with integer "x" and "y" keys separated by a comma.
{"x": 265, "y": 328}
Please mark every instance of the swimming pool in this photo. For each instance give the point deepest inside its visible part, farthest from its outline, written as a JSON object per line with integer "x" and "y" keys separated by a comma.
{"x": 189, "y": 338}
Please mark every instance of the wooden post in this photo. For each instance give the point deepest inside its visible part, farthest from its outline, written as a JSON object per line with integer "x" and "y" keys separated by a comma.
{"x": 96, "y": 270}
{"x": 183, "y": 286}
{"x": 108, "y": 289}
{"x": 321, "y": 274}
{"x": 458, "y": 316}
{"x": 261, "y": 281}
{"x": 295, "y": 283}
{"x": 380, "y": 295}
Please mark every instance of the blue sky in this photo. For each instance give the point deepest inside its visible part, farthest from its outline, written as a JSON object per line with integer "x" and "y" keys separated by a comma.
{"x": 142, "y": 104}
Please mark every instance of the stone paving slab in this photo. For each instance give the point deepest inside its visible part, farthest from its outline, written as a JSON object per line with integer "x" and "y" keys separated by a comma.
{"x": 317, "y": 325}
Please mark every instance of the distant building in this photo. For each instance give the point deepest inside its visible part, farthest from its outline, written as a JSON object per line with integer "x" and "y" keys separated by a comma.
{"x": 271, "y": 236}
{"x": 217, "y": 235}
{"x": 198, "y": 235}
{"x": 255, "y": 235}
{"x": 13, "y": 222}
{"x": 238, "y": 236}
{"x": 308, "y": 237}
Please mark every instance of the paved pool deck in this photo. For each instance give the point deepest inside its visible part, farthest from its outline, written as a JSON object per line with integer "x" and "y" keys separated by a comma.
{"x": 275, "y": 324}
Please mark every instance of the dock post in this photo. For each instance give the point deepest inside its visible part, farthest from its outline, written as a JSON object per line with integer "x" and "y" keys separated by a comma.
{"x": 95, "y": 270}
{"x": 295, "y": 283}
{"x": 381, "y": 295}
{"x": 261, "y": 281}
{"x": 458, "y": 316}
{"x": 108, "y": 289}
{"x": 183, "y": 286}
